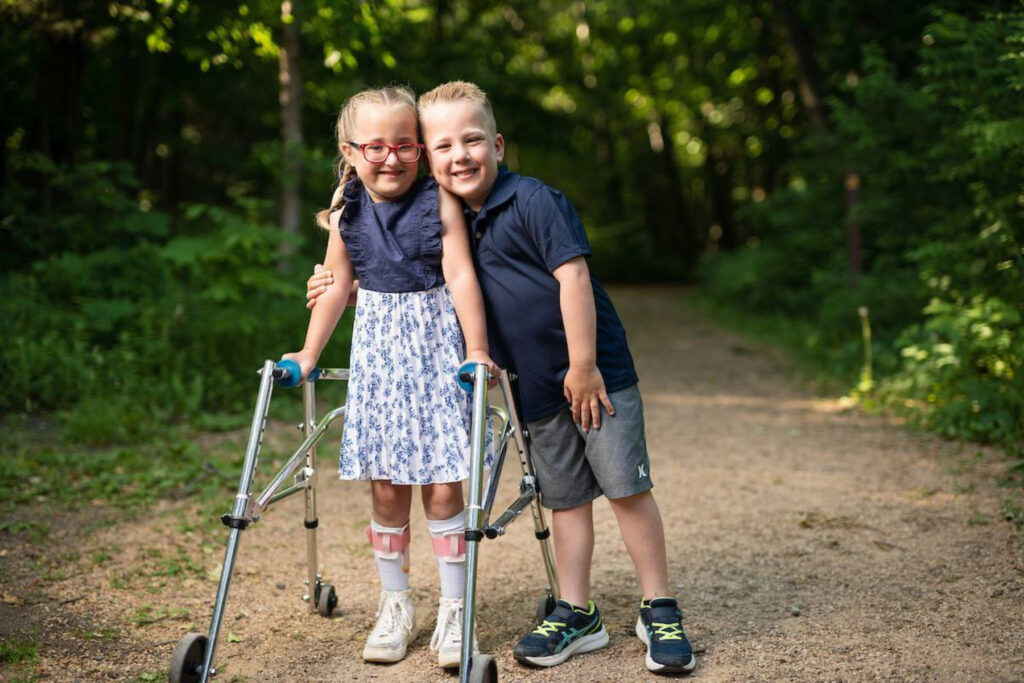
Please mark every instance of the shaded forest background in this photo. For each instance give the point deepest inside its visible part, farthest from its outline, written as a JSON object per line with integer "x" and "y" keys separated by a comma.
{"x": 845, "y": 177}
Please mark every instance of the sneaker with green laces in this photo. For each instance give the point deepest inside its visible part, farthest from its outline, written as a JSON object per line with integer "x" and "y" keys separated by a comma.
{"x": 660, "y": 627}
{"x": 567, "y": 631}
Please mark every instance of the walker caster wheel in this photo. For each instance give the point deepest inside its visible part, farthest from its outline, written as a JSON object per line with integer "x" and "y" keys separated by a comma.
{"x": 545, "y": 606}
{"x": 483, "y": 669}
{"x": 187, "y": 660}
{"x": 326, "y": 599}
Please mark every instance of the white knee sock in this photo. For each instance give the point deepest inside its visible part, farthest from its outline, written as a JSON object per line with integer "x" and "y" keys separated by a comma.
{"x": 393, "y": 571}
{"x": 451, "y": 567}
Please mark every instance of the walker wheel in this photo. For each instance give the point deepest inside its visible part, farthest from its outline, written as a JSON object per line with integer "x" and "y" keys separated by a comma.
{"x": 326, "y": 600}
{"x": 483, "y": 669}
{"x": 187, "y": 660}
{"x": 545, "y": 606}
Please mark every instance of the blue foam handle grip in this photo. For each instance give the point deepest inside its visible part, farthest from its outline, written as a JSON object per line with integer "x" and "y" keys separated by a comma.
{"x": 293, "y": 373}
{"x": 464, "y": 376}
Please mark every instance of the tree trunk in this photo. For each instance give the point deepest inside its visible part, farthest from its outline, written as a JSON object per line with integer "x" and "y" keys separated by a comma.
{"x": 60, "y": 80}
{"x": 720, "y": 187}
{"x": 666, "y": 214}
{"x": 291, "y": 127}
{"x": 441, "y": 9}
{"x": 606, "y": 160}
{"x": 681, "y": 236}
{"x": 853, "y": 239}
{"x": 800, "y": 41}
{"x": 127, "y": 100}
{"x": 812, "y": 96}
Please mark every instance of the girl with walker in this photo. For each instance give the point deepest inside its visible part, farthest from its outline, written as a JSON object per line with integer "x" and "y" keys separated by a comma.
{"x": 407, "y": 422}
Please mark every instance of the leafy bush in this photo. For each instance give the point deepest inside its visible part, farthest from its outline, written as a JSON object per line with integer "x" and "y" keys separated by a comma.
{"x": 138, "y": 318}
{"x": 963, "y": 370}
{"x": 940, "y": 211}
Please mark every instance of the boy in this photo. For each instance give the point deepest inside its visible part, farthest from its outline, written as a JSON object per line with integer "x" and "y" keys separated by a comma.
{"x": 555, "y": 327}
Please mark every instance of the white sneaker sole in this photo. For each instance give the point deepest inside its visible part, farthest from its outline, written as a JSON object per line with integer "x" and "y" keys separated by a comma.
{"x": 641, "y": 633}
{"x": 448, "y": 660}
{"x": 594, "y": 641}
{"x": 385, "y": 654}
{"x": 453, "y": 658}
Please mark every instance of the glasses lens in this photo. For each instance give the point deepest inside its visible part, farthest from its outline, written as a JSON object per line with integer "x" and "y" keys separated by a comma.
{"x": 408, "y": 153}
{"x": 375, "y": 153}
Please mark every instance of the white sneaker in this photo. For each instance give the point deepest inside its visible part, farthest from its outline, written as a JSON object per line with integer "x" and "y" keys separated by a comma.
{"x": 395, "y": 628}
{"x": 447, "y": 638}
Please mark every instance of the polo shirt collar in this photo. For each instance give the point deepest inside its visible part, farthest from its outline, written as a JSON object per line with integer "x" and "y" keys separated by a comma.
{"x": 504, "y": 189}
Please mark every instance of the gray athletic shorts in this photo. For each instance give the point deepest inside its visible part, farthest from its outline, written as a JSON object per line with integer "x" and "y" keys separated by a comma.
{"x": 575, "y": 467}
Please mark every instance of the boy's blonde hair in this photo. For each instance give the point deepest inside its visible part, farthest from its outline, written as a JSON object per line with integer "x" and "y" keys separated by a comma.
{"x": 389, "y": 96}
{"x": 456, "y": 91}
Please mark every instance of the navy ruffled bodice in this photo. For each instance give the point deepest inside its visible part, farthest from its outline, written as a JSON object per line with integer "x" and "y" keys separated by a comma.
{"x": 394, "y": 246}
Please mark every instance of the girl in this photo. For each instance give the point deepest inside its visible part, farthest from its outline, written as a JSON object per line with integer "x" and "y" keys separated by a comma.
{"x": 406, "y": 421}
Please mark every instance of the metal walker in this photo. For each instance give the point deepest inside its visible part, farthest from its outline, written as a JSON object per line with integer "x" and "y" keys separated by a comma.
{"x": 473, "y": 377}
{"x": 193, "y": 658}
{"x": 192, "y": 661}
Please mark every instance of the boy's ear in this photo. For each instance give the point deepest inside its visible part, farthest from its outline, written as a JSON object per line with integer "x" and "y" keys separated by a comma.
{"x": 499, "y": 147}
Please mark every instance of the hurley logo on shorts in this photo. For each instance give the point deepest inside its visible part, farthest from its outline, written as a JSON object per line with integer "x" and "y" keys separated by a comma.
{"x": 640, "y": 468}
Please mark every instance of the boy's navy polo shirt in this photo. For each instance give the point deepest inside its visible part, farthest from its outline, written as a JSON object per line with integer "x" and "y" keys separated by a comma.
{"x": 523, "y": 232}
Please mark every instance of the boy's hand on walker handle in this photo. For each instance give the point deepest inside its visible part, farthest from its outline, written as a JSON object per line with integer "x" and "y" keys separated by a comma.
{"x": 585, "y": 392}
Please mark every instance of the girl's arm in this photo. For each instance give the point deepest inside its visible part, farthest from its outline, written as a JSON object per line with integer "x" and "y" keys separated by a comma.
{"x": 331, "y": 303}
{"x": 457, "y": 265}
{"x": 317, "y": 285}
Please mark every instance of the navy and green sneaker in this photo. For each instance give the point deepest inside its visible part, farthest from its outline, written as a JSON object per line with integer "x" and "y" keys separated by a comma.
{"x": 660, "y": 627}
{"x": 567, "y": 631}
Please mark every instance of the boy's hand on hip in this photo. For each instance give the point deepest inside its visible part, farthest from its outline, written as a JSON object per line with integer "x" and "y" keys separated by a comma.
{"x": 585, "y": 392}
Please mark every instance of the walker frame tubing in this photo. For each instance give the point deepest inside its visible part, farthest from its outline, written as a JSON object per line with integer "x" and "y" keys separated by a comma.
{"x": 477, "y": 515}
{"x": 246, "y": 510}
{"x": 528, "y": 488}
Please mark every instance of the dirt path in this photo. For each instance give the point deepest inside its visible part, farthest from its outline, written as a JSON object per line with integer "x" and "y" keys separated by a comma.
{"x": 806, "y": 543}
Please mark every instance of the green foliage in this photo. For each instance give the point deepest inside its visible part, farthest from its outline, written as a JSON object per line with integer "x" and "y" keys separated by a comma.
{"x": 37, "y": 531}
{"x": 939, "y": 208}
{"x": 123, "y": 477}
{"x": 18, "y": 650}
{"x": 963, "y": 370}
{"x": 141, "y": 280}
{"x": 154, "y": 319}
{"x": 1013, "y": 513}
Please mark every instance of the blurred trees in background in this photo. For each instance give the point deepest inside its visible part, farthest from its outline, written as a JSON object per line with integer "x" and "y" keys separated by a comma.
{"x": 801, "y": 159}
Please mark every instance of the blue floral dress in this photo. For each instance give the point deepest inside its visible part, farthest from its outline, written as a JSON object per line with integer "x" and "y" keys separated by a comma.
{"x": 406, "y": 419}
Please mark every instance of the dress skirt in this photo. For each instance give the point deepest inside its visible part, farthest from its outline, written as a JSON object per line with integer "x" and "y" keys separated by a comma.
{"x": 406, "y": 419}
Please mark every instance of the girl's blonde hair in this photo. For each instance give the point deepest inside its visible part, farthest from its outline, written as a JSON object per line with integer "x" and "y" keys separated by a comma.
{"x": 389, "y": 96}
